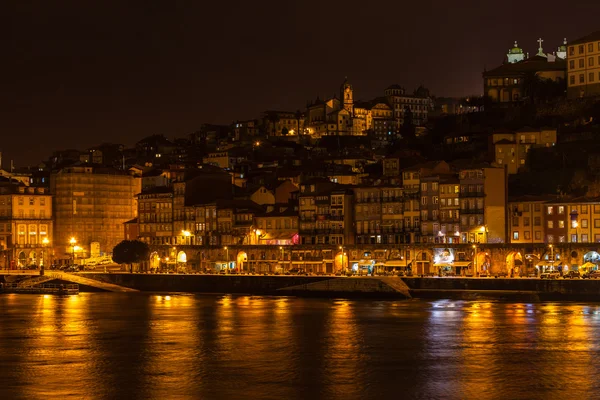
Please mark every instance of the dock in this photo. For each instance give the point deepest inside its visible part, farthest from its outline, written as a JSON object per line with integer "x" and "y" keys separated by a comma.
{"x": 44, "y": 288}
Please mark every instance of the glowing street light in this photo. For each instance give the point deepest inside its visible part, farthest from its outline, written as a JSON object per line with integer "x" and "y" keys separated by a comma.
{"x": 45, "y": 242}
{"x": 73, "y": 241}
{"x": 186, "y": 234}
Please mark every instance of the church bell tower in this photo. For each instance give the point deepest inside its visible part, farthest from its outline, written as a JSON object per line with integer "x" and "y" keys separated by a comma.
{"x": 347, "y": 96}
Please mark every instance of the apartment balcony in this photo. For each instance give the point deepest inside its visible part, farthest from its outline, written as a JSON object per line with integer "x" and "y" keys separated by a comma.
{"x": 472, "y": 211}
{"x": 472, "y": 194}
{"x": 336, "y": 217}
{"x": 308, "y": 218}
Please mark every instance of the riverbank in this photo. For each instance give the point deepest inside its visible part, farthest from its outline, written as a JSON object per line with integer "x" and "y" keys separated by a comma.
{"x": 518, "y": 289}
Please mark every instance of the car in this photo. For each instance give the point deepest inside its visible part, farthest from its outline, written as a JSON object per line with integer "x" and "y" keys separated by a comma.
{"x": 550, "y": 275}
{"x": 572, "y": 275}
{"x": 592, "y": 275}
{"x": 105, "y": 262}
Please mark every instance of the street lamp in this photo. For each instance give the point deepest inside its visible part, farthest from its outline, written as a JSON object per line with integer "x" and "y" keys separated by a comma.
{"x": 45, "y": 242}
{"x": 186, "y": 235}
{"x": 72, "y": 242}
{"x": 343, "y": 269}
{"x": 475, "y": 260}
{"x": 282, "y": 258}
{"x": 227, "y": 259}
{"x": 551, "y": 257}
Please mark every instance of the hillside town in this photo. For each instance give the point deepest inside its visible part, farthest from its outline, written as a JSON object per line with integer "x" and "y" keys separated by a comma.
{"x": 507, "y": 182}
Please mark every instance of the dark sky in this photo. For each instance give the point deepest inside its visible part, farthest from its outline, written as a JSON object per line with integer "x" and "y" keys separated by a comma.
{"x": 78, "y": 73}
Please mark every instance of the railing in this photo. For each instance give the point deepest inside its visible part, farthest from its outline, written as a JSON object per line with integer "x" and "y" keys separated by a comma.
{"x": 472, "y": 211}
{"x": 472, "y": 194}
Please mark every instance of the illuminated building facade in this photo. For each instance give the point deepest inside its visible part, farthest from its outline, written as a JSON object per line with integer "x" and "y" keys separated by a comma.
{"x": 584, "y": 66}
{"x": 25, "y": 226}
{"x": 91, "y": 204}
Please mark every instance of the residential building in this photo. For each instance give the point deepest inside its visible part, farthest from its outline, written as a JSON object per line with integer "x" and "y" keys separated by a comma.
{"x": 326, "y": 213}
{"x": 526, "y": 219}
{"x": 90, "y": 205}
{"x": 449, "y": 208}
{"x": 511, "y": 148}
{"x": 278, "y": 226}
{"x": 378, "y": 215}
{"x": 584, "y": 66}
{"x": 25, "y": 226}
{"x": 483, "y": 198}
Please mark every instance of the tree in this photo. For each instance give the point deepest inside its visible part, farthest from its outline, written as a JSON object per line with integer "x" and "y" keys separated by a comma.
{"x": 129, "y": 252}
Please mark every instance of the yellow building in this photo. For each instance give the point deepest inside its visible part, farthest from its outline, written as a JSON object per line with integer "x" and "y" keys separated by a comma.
{"x": 25, "y": 226}
{"x": 278, "y": 226}
{"x": 510, "y": 148}
{"x": 526, "y": 220}
{"x": 583, "y": 66}
{"x": 483, "y": 194}
{"x": 90, "y": 205}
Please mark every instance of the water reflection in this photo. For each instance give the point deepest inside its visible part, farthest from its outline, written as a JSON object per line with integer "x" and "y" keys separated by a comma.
{"x": 185, "y": 346}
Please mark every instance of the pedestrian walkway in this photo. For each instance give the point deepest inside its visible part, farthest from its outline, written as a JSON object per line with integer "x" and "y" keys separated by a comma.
{"x": 109, "y": 287}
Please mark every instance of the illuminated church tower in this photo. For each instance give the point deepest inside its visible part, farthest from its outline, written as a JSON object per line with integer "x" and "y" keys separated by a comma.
{"x": 347, "y": 97}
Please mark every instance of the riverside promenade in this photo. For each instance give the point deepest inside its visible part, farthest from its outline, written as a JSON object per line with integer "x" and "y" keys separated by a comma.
{"x": 510, "y": 289}
{"x": 383, "y": 287}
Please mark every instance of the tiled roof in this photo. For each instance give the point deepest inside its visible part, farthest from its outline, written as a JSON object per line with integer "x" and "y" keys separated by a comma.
{"x": 592, "y": 37}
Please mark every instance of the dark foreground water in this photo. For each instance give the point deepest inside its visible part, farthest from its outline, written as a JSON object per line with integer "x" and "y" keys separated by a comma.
{"x": 141, "y": 346}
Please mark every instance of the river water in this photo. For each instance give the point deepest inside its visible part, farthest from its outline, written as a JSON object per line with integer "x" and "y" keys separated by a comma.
{"x": 147, "y": 346}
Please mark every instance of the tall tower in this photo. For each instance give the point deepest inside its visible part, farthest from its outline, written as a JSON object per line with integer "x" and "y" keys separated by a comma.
{"x": 347, "y": 96}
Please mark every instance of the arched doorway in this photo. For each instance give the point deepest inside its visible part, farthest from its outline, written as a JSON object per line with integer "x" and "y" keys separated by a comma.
{"x": 514, "y": 264}
{"x": 154, "y": 262}
{"x": 32, "y": 258}
{"x": 340, "y": 261}
{"x": 422, "y": 262}
{"x": 241, "y": 259}
{"x": 181, "y": 261}
{"x": 483, "y": 263}
{"x": 21, "y": 259}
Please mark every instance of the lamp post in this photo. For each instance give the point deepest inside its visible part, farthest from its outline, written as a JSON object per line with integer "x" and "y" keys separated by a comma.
{"x": 186, "y": 235}
{"x": 227, "y": 258}
{"x": 282, "y": 259}
{"x": 72, "y": 242}
{"x": 475, "y": 260}
{"x": 343, "y": 268}
{"x": 45, "y": 242}
{"x": 551, "y": 257}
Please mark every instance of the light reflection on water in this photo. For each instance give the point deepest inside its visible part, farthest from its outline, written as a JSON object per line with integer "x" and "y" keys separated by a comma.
{"x": 227, "y": 347}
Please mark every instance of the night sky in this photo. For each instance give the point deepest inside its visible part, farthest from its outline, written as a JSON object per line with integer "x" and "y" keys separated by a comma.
{"x": 78, "y": 73}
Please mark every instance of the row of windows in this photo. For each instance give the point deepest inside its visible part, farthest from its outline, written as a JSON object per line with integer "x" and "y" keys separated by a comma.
{"x": 591, "y": 78}
{"x": 527, "y": 235}
{"x": 562, "y": 238}
{"x": 581, "y": 63}
{"x": 581, "y": 49}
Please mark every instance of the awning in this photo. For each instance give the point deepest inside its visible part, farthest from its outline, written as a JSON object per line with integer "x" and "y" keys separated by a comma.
{"x": 278, "y": 236}
{"x": 442, "y": 265}
{"x": 462, "y": 263}
{"x": 546, "y": 263}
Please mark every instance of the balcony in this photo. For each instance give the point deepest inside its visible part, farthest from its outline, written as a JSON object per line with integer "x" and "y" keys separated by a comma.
{"x": 336, "y": 217}
{"x": 472, "y": 194}
{"x": 308, "y": 218}
{"x": 472, "y": 211}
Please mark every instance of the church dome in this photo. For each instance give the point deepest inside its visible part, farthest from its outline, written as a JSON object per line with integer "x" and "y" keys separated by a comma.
{"x": 516, "y": 49}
